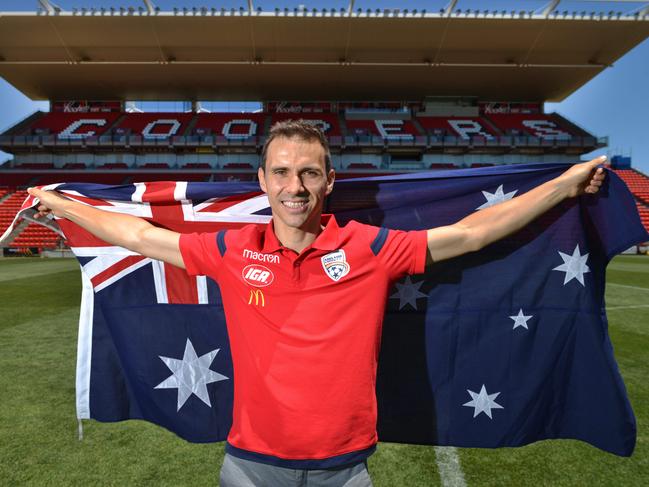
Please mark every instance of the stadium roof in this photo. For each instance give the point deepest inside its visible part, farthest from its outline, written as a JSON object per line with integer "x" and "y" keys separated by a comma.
{"x": 210, "y": 54}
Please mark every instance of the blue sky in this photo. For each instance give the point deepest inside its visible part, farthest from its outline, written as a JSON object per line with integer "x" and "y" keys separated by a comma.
{"x": 613, "y": 104}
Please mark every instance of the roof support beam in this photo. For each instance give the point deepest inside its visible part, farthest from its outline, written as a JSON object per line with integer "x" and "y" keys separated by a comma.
{"x": 149, "y": 6}
{"x": 448, "y": 10}
{"x": 550, "y": 8}
{"x": 251, "y": 7}
{"x": 350, "y": 8}
{"x": 49, "y": 6}
{"x": 311, "y": 63}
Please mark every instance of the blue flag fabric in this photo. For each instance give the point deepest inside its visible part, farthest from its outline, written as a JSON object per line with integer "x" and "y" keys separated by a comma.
{"x": 500, "y": 347}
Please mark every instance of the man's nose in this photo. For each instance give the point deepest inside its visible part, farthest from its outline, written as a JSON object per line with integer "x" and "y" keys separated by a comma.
{"x": 295, "y": 185}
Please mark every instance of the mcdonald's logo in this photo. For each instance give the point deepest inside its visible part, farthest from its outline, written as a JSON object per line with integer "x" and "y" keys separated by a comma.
{"x": 258, "y": 296}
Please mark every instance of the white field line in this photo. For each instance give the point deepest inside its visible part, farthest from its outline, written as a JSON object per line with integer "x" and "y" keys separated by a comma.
{"x": 609, "y": 308}
{"x": 627, "y": 286}
{"x": 630, "y": 306}
{"x": 448, "y": 464}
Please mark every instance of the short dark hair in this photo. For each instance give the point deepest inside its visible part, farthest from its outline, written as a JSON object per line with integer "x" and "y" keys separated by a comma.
{"x": 300, "y": 129}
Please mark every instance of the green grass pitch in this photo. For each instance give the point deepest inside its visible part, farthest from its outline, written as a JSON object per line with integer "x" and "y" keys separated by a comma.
{"x": 39, "y": 301}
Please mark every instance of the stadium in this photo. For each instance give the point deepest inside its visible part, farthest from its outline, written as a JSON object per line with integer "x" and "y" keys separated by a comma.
{"x": 395, "y": 90}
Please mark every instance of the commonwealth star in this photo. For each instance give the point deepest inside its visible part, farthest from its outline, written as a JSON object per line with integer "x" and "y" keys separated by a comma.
{"x": 482, "y": 402}
{"x": 191, "y": 375}
{"x": 408, "y": 292}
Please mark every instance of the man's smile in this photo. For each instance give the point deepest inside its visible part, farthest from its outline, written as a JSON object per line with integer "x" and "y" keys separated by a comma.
{"x": 295, "y": 204}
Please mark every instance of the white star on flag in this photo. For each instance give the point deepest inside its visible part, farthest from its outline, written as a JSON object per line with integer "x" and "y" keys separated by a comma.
{"x": 574, "y": 266}
{"x": 521, "y": 320}
{"x": 191, "y": 375}
{"x": 482, "y": 402}
{"x": 498, "y": 197}
{"x": 408, "y": 292}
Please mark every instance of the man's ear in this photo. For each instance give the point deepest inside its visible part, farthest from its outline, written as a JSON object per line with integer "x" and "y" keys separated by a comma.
{"x": 331, "y": 177}
{"x": 262, "y": 181}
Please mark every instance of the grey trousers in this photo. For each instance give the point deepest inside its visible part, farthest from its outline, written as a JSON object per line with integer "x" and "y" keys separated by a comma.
{"x": 237, "y": 472}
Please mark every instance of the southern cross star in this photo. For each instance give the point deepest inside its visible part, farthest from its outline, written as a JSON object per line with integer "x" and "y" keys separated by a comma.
{"x": 498, "y": 197}
{"x": 574, "y": 266}
{"x": 191, "y": 375}
{"x": 482, "y": 402}
{"x": 521, "y": 320}
{"x": 408, "y": 292}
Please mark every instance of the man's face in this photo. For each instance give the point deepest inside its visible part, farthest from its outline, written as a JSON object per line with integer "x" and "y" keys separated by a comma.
{"x": 296, "y": 182}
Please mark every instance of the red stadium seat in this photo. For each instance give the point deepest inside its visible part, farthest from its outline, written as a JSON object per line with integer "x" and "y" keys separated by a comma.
{"x": 637, "y": 182}
{"x": 232, "y": 126}
{"x": 387, "y": 129}
{"x": 155, "y": 165}
{"x": 75, "y": 165}
{"x": 35, "y": 165}
{"x": 361, "y": 165}
{"x": 462, "y": 127}
{"x": 535, "y": 125}
{"x": 154, "y": 126}
{"x": 197, "y": 165}
{"x": 74, "y": 125}
{"x": 238, "y": 165}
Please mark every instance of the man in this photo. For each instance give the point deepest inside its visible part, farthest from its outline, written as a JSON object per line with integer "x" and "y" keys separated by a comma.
{"x": 304, "y": 301}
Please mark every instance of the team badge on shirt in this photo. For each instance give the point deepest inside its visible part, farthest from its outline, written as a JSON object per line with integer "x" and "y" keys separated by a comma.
{"x": 335, "y": 265}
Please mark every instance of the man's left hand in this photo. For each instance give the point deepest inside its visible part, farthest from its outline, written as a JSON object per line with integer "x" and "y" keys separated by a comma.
{"x": 583, "y": 178}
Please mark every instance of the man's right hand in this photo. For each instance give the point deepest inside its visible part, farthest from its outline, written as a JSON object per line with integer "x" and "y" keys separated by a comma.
{"x": 123, "y": 230}
{"x": 49, "y": 202}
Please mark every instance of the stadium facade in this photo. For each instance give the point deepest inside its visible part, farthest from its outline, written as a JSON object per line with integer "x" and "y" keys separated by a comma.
{"x": 394, "y": 90}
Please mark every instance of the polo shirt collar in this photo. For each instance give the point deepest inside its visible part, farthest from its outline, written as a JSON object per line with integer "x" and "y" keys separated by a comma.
{"x": 328, "y": 239}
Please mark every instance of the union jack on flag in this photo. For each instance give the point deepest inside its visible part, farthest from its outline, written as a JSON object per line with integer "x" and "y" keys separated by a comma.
{"x": 497, "y": 348}
{"x": 166, "y": 204}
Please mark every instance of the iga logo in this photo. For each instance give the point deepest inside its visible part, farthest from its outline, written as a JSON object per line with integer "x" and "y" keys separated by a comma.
{"x": 257, "y": 275}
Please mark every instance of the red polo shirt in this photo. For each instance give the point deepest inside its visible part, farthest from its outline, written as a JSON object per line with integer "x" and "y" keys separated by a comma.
{"x": 304, "y": 332}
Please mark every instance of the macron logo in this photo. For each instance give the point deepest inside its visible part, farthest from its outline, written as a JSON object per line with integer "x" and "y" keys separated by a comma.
{"x": 270, "y": 258}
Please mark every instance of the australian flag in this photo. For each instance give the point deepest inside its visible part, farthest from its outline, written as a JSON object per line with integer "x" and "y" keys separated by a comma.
{"x": 500, "y": 347}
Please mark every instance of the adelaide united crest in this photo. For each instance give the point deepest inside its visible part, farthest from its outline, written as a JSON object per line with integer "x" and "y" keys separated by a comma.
{"x": 335, "y": 265}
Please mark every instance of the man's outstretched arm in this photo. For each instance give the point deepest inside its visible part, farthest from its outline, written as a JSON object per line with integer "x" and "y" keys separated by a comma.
{"x": 126, "y": 231}
{"x": 491, "y": 224}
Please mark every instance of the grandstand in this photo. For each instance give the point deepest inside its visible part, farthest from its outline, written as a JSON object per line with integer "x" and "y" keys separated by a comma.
{"x": 637, "y": 182}
{"x": 385, "y": 110}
